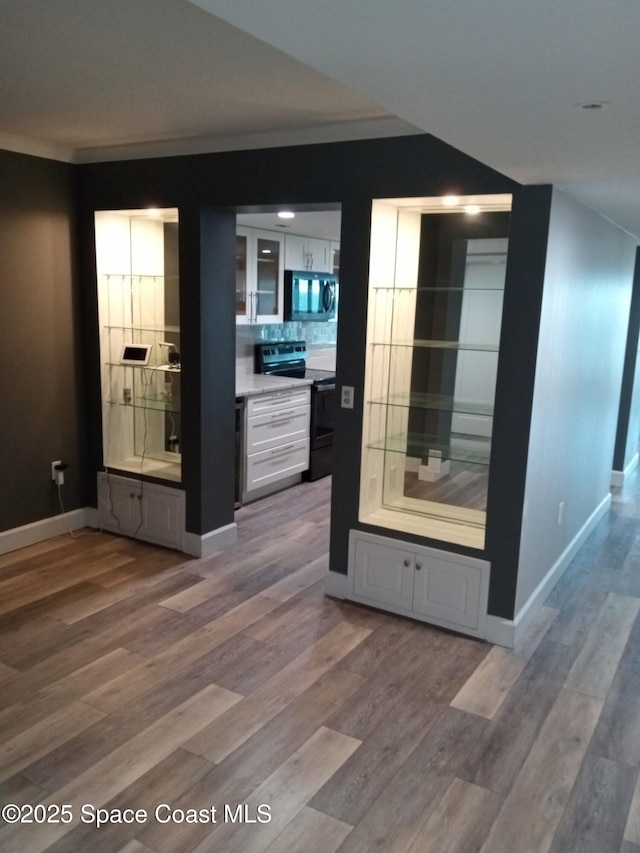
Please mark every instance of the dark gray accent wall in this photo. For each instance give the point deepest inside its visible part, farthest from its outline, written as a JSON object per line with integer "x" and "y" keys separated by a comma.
{"x": 524, "y": 283}
{"x": 41, "y": 399}
{"x": 581, "y": 346}
{"x": 347, "y": 175}
{"x": 628, "y": 432}
{"x": 207, "y": 311}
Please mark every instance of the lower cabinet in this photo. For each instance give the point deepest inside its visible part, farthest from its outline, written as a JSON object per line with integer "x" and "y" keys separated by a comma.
{"x": 434, "y": 586}
{"x": 145, "y": 510}
{"x": 276, "y": 440}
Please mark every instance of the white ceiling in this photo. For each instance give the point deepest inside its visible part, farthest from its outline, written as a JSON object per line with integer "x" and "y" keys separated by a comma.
{"x": 89, "y": 80}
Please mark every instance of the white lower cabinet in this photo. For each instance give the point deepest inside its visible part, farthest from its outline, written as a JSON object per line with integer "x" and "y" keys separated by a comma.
{"x": 145, "y": 510}
{"x": 434, "y": 586}
{"x": 276, "y": 440}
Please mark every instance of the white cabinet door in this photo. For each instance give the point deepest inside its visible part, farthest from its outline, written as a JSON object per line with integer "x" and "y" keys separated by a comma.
{"x": 295, "y": 252}
{"x": 259, "y": 276}
{"x": 307, "y": 253}
{"x": 447, "y": 591}
{"x": 269, "y": 276}
{"x": 427, "y": 584}
{"x": 319, "y": 255}
{"x": 147, "y": 511}
{"x": 383, "y": 575}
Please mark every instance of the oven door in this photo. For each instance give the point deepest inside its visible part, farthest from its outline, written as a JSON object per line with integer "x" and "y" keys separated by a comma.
{"x": 323, "y": 407}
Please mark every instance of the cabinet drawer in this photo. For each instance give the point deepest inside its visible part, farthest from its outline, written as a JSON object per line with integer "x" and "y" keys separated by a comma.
{"x": 269, "y": 466}
{"x": 272, "y": 429}
{"x": 287, "y": 399}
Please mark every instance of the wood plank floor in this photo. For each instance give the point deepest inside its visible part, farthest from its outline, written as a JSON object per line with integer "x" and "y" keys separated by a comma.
{"x": 133, "y": 678}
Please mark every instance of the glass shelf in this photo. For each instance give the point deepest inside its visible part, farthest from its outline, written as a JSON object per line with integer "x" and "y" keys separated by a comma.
{"x": 158, "y": 404}
{"x": 432, "y": 288}
{"x": 457, "y": 346}
{"x": 434, "y": 402}
{"x": 167, "y": 368}
{"x": 174, "y": 330}
{"x": 473, "y": 451}
{"x": 140, "y": 277}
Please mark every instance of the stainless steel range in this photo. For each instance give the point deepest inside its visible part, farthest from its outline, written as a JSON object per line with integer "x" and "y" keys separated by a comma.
{"x": 289, "y": 358}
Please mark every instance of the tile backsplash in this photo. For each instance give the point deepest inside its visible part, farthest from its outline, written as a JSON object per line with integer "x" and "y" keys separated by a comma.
{"x": 320, "y": 338}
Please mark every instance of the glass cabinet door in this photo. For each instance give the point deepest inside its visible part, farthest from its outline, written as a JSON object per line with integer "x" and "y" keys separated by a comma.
{"x": 268, "y": 292}
{"x": 241, "y": 274}
{"x": 259, "y": 276}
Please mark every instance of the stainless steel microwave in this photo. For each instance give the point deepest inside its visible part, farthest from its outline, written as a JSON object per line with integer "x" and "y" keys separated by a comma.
{"x": 310, "y": 295}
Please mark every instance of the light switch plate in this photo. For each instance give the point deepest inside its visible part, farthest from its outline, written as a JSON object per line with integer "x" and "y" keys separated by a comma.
{"x": 346, "y": 398}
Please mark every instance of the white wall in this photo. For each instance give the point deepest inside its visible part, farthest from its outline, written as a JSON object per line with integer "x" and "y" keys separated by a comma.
{"x": 585, "y": 310}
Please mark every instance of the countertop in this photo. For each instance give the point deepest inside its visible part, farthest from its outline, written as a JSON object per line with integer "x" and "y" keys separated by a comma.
{"x": 249, "y": 385}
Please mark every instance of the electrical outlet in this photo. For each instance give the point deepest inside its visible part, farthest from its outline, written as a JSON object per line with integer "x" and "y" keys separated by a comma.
{"x": 347, "y": 397}
{"x": 54, "y": 473}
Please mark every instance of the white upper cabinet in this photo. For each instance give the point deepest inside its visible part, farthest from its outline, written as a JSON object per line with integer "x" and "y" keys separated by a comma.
{"x": 308, "y": 253}
{"x": 259, "y": 276}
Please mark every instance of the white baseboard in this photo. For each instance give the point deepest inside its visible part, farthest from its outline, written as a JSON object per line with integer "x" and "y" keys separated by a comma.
{"x": 57, "y": 525}
{"x": 335, "y": 585}
{"x": 212, "y": 542}
{"x": 46, "y": 528}
{"x": 507, "y": 632}
{"x": 618, "y": 477}
{"x": 499, "y": 631}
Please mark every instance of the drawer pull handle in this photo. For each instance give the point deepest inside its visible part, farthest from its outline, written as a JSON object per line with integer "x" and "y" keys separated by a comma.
{"x": 282, "y": 449}
{"x": 406, "y": 563}
{"x": 418, "y": 566}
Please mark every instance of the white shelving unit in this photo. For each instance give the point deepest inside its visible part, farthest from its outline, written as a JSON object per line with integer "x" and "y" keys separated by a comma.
{"x": 460, "y": 414}
{"x": 141, "y": 403}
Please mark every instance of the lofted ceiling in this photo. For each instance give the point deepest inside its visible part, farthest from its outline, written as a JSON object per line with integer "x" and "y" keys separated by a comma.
{"x": 501, "y": 80}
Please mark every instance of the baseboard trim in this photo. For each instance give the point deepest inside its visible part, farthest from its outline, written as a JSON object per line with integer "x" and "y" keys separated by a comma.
{"x": 46, "y": 528}
{"x": 500, "y": 632}
{"x": 507, "y": 632}
{"x": 618, "y": 477}
{"x": 210, "y": 543}
{"x": 335, "y": 585}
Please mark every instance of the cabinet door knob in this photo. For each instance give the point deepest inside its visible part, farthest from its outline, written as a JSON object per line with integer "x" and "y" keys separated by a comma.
{"x": 406, "y": 563}
{"x": 418, "y": 566}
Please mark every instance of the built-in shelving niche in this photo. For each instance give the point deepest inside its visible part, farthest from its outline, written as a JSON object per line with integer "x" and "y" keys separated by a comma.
{"x": 138, "y": 303}
{"x": 434, "y": 316}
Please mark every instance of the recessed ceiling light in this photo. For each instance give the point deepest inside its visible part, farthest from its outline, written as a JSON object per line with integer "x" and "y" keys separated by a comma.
{"x": 286, "y": 214}
{"x": 472, "y": 209}
{"x": 592, "y": 106}
{"x": 153, "y": 211}
{"x": 450, "y": 200}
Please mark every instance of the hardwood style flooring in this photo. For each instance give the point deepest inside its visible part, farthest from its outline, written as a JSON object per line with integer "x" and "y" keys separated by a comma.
{"x": 134, "y": 678}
